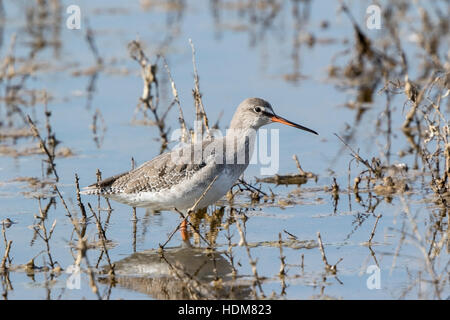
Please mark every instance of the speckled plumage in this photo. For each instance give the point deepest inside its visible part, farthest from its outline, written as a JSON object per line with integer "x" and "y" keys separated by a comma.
{"x": 162, "y": 183}
{"x": 155, "y": 175}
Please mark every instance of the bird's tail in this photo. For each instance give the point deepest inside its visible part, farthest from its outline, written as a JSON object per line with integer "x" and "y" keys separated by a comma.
{"x": 102, "y": 187}
{"x": 91, "y": 190}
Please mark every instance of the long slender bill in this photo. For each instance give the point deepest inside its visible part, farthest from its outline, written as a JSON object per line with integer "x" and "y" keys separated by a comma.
{"x": 290, "y": 123}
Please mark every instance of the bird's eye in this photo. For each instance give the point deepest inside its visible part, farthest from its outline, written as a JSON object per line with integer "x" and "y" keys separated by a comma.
{"x": 257, "y": 109}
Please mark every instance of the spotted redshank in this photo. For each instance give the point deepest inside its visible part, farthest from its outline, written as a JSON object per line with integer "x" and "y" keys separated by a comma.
{"x": 179, "y": 178}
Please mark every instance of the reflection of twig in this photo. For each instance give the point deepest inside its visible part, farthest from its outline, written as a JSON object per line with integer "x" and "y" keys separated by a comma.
{"x": 103, "y": 239}
{"x": 7, "y": 249}
{"x": 134, "y": 219}
{"x": 82, "y": 246}
{"x": 134, "y": 222}
{"x": 92, "y": 46}
{"x": 45, "y": 236}
{"x": 417, "y": 239}
{"x": 230, "y": 252}
{"x": 328, "y": 267}
{"x": 302, "y": 264}
{"x": 252, "y": 262}
{"x": 374, "y": 228}
{"x": 95, "y": 70}
{"x": 282, "y": 272}
{"x": 371, "y": 237}
{"x": 399, "y": 246}
{"x": 98, "y": 137}
{"x": 43, "y": 146}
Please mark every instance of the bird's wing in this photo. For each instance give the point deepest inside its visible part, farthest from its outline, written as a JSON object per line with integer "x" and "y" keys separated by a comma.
{"x": 158, "y": 174}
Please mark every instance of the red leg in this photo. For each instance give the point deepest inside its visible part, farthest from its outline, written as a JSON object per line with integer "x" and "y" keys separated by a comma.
{"x": 184, "y": 231}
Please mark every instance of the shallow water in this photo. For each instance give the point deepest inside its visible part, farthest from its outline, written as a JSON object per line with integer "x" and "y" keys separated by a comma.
{"x": 236, "y": 58}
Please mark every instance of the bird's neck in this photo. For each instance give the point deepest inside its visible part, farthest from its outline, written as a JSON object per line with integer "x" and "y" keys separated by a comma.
{"x": 241, "y": 143}
{"x": 241, "y": 134}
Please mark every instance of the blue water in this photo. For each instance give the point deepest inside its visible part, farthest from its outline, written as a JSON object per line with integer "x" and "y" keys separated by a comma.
{"x": 231, "y": 68}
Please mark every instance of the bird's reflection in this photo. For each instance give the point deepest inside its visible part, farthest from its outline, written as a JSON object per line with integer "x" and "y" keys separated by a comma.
{"x": 182, "y": 272}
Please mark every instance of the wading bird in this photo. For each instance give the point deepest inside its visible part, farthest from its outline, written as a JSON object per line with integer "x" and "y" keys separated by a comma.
{"x": 200, "y": 172}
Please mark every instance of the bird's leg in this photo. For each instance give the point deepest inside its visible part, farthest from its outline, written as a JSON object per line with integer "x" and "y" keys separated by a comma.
{"x": 183, "y": 225}
{"x": 184, "y": 230}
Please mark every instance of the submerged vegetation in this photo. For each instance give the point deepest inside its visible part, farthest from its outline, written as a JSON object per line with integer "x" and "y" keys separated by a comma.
{"x": 403, "y": 82}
